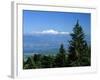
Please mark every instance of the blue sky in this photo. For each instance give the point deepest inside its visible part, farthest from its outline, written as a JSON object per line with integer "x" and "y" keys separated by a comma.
{"x": 47, "y": 21}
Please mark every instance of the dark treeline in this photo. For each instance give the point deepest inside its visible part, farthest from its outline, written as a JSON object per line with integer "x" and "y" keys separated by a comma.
{"x": 78, "y": 54}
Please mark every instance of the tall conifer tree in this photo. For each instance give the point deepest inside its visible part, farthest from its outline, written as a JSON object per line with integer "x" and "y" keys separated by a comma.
{"x": 78, "y": 48}
{"x": 61, "y": 57}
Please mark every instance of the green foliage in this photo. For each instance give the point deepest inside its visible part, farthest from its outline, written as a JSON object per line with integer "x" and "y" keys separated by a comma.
{"x": 47, "y": 61}
{"x": 37, "y": 60}
{"x": 78, "y": 48}
{"x": 60, "y": 60}
{"x": 29, "y": 64}
{"x": 79, "y": 54}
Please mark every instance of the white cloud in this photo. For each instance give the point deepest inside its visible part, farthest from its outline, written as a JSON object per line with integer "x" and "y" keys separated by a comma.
{"x": 50, "y": 31}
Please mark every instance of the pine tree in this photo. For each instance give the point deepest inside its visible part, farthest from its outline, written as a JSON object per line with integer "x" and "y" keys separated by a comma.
{"x": 78, "y": 48}
{"x": 29, "y": 64}
{"x": 37, "y": 60}
{"x": 60, "y": 60}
